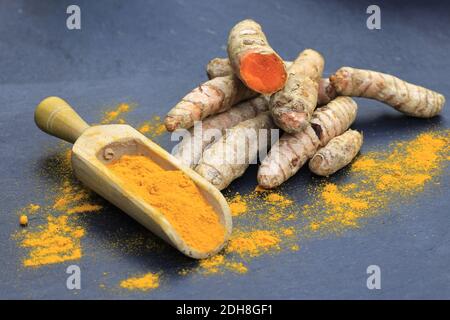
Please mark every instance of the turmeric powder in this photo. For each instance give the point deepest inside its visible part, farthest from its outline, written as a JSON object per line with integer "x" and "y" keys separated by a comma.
{"x": 144, "y": 283}
{"x": 253, "y": 243}
{"x": 377, "y": 180}
{"x": 152, "y": 128}
{"x": 112, "y": 115}
{"x": 176, "y": 196}
{"x": 56, "y": 242}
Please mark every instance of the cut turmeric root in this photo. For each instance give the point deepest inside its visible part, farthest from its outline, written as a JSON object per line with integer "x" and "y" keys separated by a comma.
{"x": 253, "y": 60}
{"x": 214, "y": 96}
{"x": 293, "y": 106}
{"x": 292, "y": 151}
{"x": 338, "y": 153}
{"x": 189, "y": 151}
{"x": 407, "y": 98}
{"x": 220, "y": 67}
{"x": 228, "y": 158}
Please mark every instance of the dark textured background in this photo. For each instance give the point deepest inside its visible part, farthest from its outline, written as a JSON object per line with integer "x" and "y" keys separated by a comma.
{"x": 152, "y": 53}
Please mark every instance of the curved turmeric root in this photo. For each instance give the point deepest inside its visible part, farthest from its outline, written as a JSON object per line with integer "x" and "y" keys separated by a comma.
{"x": 228, "y": 158}
{"x": 211, "y": 97}
{"x": 293, "y": 106}
{"x": 189, "y": 151}
{"x": 338, "y": 153}
{"x": 220, "y": 67}
{"x": 407, "y": 98}
{"x": 253, "y": 60}
{"x": 292, "y": 151}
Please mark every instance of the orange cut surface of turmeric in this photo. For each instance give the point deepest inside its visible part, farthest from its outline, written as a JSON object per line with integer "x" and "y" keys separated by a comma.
{"x": 264, "y": 73}
{"x": 176, "y": 196}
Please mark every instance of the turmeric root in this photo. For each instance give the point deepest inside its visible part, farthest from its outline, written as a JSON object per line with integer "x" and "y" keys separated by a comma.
{"x": 286, "y": 157}
{"x": 338, "y": 153}
{"x": 293, "y": 106}
{"x": 292, "y": 151}
{"x": 334, "y": 118}
{"x": 214, "y": 96}
{"x": 219, "y": 67}
{"x": 253, "y": 60}
{"x": 230, "y": 156}
{"x": 326, "y": 92}
{"x": 407, "y": 98}
{"x": 190, "y": 149}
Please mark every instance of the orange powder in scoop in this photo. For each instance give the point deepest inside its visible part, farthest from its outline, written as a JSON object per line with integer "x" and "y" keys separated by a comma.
{"x": 176, "y": 196}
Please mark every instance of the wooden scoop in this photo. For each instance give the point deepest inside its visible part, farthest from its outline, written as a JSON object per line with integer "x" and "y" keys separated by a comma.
{"x": 94, "y": 147}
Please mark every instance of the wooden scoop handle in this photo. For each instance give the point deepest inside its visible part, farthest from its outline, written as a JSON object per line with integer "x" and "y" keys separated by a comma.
{"x": 56, "y": 117}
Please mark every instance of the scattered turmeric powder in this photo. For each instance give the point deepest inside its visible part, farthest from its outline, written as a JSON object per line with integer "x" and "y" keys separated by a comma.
{"x": 145, "y": 282}
{"x": 87, "y": 207}
{"x": 176, "y": 196}
{"x": 152, "y": 128}
{"x": 253, "y": 243}
{"x": 112, "y": 115}
{"x": 218, "y": 264}
{"x": 237, "y": 205}
{"x": 56, "y": 242}
{"x": 278, "y": 198}
{"x": 378, "y": 179}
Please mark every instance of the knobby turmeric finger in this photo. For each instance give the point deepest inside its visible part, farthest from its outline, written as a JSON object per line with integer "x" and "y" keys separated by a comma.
{"x": 326, "y": 92}
{"x": 190, "y": 149}
{"x": 293, "y": 106}
{"x": 214, "y": 96}
{"x": 219, "y": 67}
{"x": 292, "y": 151}
{"x": 407, "y": 98}
{"x": 228, "y": 158}
{"x": 334, "y": 119}
{"x": 338, "y": 153}
{"x": 253, "y": 60}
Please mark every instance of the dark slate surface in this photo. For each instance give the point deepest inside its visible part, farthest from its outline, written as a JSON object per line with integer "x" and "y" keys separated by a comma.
{"x": 151, "y": 53}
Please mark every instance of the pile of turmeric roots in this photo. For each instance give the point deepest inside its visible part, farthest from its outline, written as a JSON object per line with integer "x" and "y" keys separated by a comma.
{"x": 254, "y": 89}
